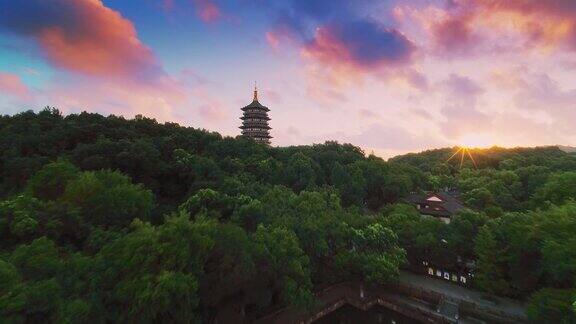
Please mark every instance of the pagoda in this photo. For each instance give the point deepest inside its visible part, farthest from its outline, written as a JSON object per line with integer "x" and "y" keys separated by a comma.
{"x": 255, "y": 121}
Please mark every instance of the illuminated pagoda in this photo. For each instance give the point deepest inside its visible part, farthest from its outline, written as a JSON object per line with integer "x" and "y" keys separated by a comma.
{"x": 255, "y": 121}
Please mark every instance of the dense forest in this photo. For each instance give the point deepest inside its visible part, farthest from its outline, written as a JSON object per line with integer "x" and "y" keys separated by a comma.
{"x": 108, "y": 219}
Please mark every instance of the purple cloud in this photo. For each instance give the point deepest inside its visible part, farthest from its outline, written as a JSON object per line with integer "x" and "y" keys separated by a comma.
{"x": 335, "y": 33}
{"x": 361, "y": 43}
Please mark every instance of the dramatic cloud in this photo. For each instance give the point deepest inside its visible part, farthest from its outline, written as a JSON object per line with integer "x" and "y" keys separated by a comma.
{"x": 549, "y": 21}
{"x": 362, "y": 44}
{"x": 564, "y": 8}
{"x": 82, "y": 36}
{"x": 101, "y": 65}
{"x": 336, "y": 35}
{"x": 11, "y": 84}
{"x": 501, "y": 25}
{"x": 454, "y": 36}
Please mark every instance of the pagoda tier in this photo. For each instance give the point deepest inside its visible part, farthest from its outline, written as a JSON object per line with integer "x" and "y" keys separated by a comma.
{"x": 255, "y": 106}
{"x": 250, "y": 116}
{"x": 255, "y": 121}
{"x": 259, "y": 126}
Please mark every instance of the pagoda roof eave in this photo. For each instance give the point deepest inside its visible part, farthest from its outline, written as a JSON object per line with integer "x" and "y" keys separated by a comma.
{"x": 263, "y": 128}
{"x": 260, "y": 117}
{"x": 257, "y": 105}
{"x": 256, "y": 135}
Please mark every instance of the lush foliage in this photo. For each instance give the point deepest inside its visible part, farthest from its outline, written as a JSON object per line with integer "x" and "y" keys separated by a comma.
{"x": 521, "y": 232}
{"x": 106, "y": 219}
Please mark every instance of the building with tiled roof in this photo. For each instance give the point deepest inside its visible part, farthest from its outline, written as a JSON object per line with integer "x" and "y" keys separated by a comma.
{"x": 442, "y": 205}
{"x": 255, "y": 121}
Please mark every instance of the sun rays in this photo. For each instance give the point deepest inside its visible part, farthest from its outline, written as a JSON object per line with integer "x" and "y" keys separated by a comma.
{"x": 464, "y": 152}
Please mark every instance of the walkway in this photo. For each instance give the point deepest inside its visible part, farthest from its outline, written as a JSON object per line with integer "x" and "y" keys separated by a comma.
{"x": 361, "y": 297}
{"x": 504, "y": 305}
{"x": 423, "y": 298}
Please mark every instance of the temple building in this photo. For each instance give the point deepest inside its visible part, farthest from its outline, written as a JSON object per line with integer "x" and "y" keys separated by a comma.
{"x": 255, "y": 121}
{"x": 441, "y": 205}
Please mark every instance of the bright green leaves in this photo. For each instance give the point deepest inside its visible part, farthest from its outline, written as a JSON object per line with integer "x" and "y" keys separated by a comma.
{"x": 520, "y": 252}
{"x": 210, "y": 203}
{"x": 49, "y": 183}
{"x": 491, "y": 276}
{"x": 64, "y": 204}
{"x": 286, "y": 261}
{"x": 108, "y": 198}
{"x": 165, "y": 296}
{"x": 559, "y": 188}
{"x": 153, "y": 271}
{"x": 373, "y": 255}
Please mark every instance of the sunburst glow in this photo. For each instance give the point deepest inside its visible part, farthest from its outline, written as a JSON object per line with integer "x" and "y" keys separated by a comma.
{"x": 461, "y": 154}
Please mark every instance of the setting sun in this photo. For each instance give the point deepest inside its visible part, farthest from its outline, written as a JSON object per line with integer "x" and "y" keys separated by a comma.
{"x": 476, "y": 141}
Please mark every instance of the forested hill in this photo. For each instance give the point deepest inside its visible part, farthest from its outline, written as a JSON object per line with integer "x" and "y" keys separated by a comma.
{"x": 104, "y": 219}
{"x": 495, "y": 157}
{"x": 175, "y": 161}
{"x": 567, "y": 149}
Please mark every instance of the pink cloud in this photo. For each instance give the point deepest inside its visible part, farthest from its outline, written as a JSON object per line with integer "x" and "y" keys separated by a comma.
{"x": 82, "y": 36}
{"x": 469, "y": 25}
{"x": 282, "y": 34}
{"x": 12, "y": 85}
{"x": 273, "y": 96}
{"x": 552, "y": 21}
{"x": 72, "y": 93}
{"x": 211, "y": 108}
{"x": 207, "y": 10}
{"x": 551, "y": 7}
{"x": 368, "y": 114}
{"x": 273, "y": 39}
{"x": 112, "y": 71}
{"x": 415, "y": 79}
{"x": 212, "y": 112}
{"x": 325, "y": 86}
{"x": 454, "y": 35}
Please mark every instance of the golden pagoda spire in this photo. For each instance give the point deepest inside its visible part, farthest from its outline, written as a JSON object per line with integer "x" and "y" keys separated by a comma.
{"x": 255, "y": 91}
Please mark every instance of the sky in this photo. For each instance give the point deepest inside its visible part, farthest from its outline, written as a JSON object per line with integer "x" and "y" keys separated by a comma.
{"x": 390, "y": 76}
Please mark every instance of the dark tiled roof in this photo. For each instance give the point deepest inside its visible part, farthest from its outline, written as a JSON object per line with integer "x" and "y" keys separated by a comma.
{"x": 256, "y": 104}
{"x": 450, "y": 202}
{"x": 448, "y": 206}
